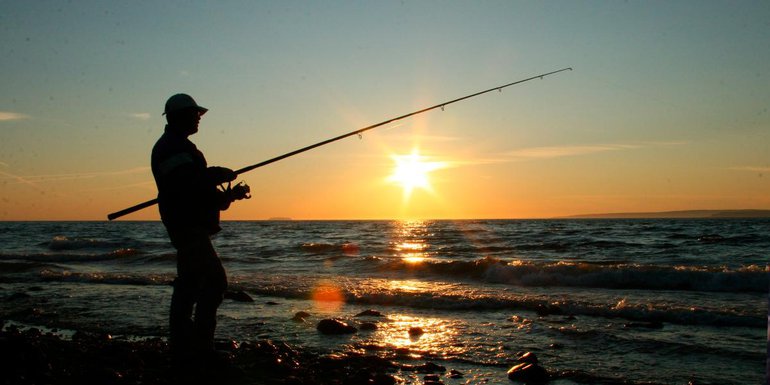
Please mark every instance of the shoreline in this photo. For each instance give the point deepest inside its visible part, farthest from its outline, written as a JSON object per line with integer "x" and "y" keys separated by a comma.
{"x": 29, "y": 355}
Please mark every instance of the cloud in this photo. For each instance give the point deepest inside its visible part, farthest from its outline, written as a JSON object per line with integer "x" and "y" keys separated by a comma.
{"x": 140, "y": 115}
{"x": 33, "y": 180}
{"x": 6, "y": 116}
{"x": 564, "y": 151}
{"x": 750, "y": 168}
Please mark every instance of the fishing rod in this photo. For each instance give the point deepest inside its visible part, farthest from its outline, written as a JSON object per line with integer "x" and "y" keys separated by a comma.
{"x": 152, "y": 202}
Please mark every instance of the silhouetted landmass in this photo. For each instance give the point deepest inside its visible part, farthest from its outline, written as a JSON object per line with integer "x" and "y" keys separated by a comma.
{"x": 683, "y": 214}
{"x": 279, "y": 219}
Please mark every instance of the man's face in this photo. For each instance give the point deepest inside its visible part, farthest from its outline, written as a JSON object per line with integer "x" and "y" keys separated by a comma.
{"x": 187, "y": 120}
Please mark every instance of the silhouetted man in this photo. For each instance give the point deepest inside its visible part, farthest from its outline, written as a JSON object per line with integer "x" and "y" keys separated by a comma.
{"x": 189, "y": 203}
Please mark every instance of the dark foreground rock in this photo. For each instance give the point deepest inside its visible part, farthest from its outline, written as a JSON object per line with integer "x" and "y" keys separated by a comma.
{"x": 34, "y": 357}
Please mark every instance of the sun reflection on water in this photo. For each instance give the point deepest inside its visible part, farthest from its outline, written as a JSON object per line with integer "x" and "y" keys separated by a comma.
{"x": 419, "y": 336}
{"x": 409, "y": 241}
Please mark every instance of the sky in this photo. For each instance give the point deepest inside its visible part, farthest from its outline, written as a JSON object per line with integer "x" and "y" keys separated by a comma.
{"x": 666, "y": 107}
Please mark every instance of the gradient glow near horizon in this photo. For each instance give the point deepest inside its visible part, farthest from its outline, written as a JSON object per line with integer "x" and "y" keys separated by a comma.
{"x": 666, "y": 109}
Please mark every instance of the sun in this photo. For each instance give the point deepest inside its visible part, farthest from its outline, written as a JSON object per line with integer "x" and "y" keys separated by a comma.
{"x": 411, "y": 172}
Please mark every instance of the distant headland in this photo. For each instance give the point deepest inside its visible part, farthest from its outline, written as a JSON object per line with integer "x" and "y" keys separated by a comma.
{"x": 682, "y": 214}
{"x": 279, "y": 219}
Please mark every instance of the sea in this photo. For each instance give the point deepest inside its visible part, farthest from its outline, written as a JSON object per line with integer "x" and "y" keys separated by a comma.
{"x": 599, "y": 301}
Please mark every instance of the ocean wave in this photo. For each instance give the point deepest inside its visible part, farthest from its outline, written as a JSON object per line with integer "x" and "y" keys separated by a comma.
{"x": 60, "y": 242}
{"x": 116, "y": 254}
{"x": 322, "y": 248}
{"x": 637, "y": 312}
{"x": 10, "y": 267}
{"x": 106, "y": 278}
{"x": 750, "y": 278}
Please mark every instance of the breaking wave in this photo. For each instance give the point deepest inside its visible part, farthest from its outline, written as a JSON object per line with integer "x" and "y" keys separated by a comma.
{"x": 750, "y": 278}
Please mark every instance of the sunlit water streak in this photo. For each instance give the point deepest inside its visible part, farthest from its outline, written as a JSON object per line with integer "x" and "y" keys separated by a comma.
{"x": 608, "y": 299}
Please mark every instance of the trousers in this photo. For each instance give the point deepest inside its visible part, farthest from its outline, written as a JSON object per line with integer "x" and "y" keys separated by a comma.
{"x": 198, "y": 291}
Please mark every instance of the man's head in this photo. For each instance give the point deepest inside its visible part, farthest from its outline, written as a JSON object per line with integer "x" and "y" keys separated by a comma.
{"x": 183, "y": 114}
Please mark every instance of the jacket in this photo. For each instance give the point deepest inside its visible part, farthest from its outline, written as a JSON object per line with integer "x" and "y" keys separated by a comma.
{"x": 188, "y": 198}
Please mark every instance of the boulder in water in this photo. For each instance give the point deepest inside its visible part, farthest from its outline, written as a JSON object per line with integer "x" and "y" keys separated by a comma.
{"x": 334, "y": 327}
{"x": 528, "y": 373}
{"x": 415, "y": 332}
{"x": 300, "y": 316}
{"x": 238, "y": 296}
{"x": 427, "y": 367}
{"x": 369, "y": 313}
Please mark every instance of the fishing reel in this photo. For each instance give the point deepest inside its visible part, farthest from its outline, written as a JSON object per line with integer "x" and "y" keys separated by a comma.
{"x": 237, "y": 192}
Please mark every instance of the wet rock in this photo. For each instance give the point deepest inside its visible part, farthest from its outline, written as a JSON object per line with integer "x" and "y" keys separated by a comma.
{"x": 271, "y": 303}
{"x": 432, "y": 377}
{"x": 454, "y": 373}
{"x": 300, "y": 316}
{"x": 556, "y": 345}
{"x": 416, "y": 331}
{"x": 238, "y": 296}
{"x": 226, "y": 345}
{"x": 334, "y": 327}
{"x": 384, "y": 379}
{"x": 429, "y": 367}
{"x": 528, "y": 373}
{"x": 528, "y": 357}
{"x": 369, "y": 313}
{"x": 401, "y": 351}
{"x": 368, "y": 326}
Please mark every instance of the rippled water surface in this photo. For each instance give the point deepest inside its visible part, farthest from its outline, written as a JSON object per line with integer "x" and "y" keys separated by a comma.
{"x": 599, "y": 301}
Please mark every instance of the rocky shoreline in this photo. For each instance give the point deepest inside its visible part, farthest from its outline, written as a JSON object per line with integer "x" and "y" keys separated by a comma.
{"x": 33, "y": 356}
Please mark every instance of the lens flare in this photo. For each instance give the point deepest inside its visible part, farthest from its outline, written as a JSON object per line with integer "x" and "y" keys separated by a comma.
{"x": 327, "y": 297}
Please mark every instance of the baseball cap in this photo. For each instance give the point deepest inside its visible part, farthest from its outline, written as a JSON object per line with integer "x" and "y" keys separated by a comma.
{"x": 180, "y": 102}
